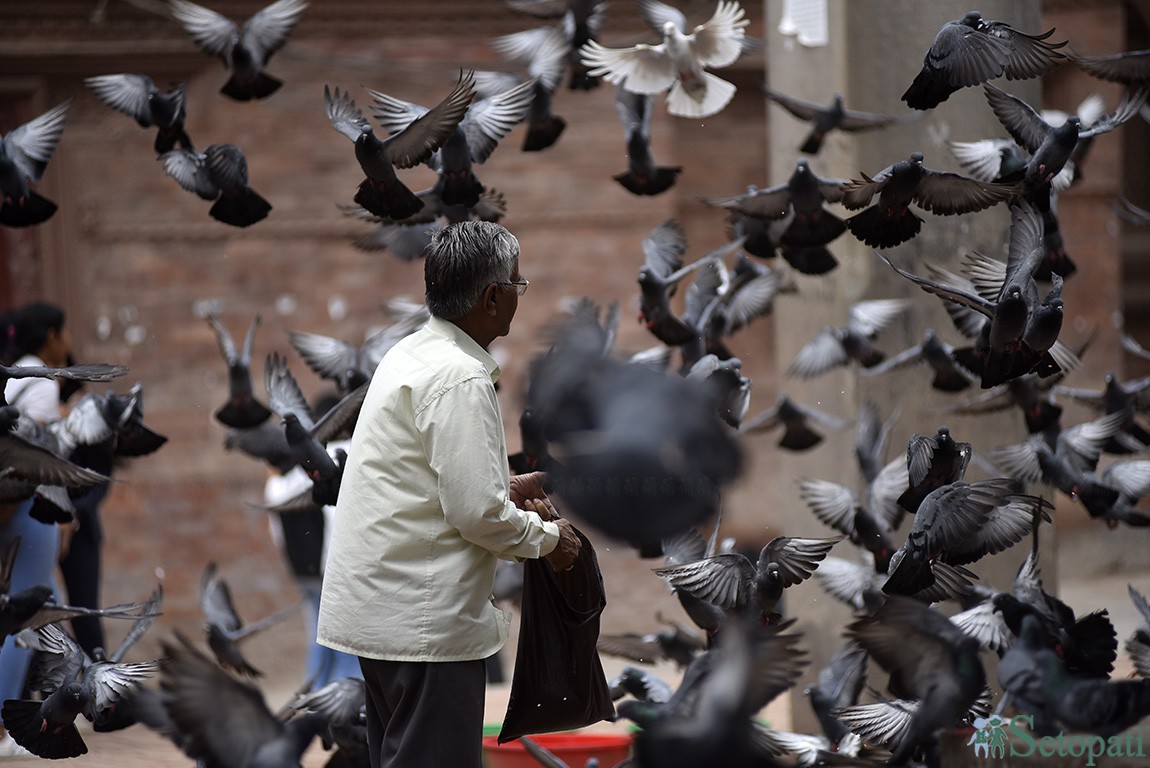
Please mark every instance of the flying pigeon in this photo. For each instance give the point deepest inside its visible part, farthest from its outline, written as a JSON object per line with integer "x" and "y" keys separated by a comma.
{"x": 643, "y": 176}
{"x": 825, "y": 118}
{"x": 224, "y": 720}
{"x": 890, "y": 221}
{"x": 972, "y": 50}
{"x": 487, "y": 120}
{"x": 24, "y": 154}
{"x": 219, "y": 173}
{"x": 242, "y": 410}
{"x": 381, "y": 192}
{"x": 676, "y": 64}
{"x": 245, "y": 49}
{"x": 137, "y": 96}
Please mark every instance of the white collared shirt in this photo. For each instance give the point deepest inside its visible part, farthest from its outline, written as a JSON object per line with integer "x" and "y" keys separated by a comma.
{"x": 424, "y": 512}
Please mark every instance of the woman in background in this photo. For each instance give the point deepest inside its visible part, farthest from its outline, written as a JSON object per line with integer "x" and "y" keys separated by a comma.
{"x": 36, "y": 336}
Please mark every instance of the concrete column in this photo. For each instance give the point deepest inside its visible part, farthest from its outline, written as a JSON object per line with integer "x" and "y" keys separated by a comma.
{"x": 875, "y": 49}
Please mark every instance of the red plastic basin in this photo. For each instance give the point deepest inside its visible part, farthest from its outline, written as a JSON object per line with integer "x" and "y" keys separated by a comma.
{"x": 572, "y": 748}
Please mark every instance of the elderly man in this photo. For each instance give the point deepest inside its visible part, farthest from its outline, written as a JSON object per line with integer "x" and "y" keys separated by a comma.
{"x": 426, "y": 508}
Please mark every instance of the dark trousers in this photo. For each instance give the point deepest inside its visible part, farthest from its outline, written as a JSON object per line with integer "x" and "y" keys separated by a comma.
{"x": 424, "y": 714}
{"x": 81, "y": 569}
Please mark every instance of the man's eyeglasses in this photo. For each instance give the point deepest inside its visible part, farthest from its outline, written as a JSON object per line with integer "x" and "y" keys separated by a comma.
{"x": 520, "y": 284}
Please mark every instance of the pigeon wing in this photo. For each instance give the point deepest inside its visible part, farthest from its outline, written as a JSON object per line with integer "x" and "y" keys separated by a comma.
{"x": 223, "y": 719}
{"x": 214, "y": 33}
{"x": 822, "y": 353}
{"x": 31, "y": 145}
{"x": 1024, "y": 124}
{"x": 429, "y": 131}
{"x": 800, "y": 108}
{"x": 216, "y": 601}
{"x": 25, "y": 461}
{"x": 643, "y": 69}
{"x": 189, "y": 169}
{"x": 127, "y": 93}
{"x": 329, "y": 357}
{"x": 831, "y": 503}
{"x": 718, "y": 42}
{"x": 490, "y": 120}
{"x": 268, "y": 29}
{"x": 797, "y": 557}
{"x": 725, "y": 580}
{"x": 947, "y": 194}
{"x": 284, "y": 394}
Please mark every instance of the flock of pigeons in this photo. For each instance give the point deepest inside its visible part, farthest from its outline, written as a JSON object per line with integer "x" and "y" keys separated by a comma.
{"x": 641, "y": 446}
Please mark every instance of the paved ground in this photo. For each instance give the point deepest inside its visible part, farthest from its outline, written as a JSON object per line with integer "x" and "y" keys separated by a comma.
{"x": 633, "y": 599}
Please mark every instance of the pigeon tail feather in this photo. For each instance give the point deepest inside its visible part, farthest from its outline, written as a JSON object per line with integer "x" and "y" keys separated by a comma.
{"x": 542, "y": 134}
{"x": 35, "y": 209}
{"x": 392, "y": 201}
{"x": 240, "y": 208}
{"x": 259, "y": 87}
{"x": 815, "y": 260}
{"x": 718, "y": 94}
{"x": 462, "y": 189}
{"x": 878, "y": 230}
{"x": 242, "y": 415}
{"x": 660, "y": 181}
{"x": 22, "y": 719}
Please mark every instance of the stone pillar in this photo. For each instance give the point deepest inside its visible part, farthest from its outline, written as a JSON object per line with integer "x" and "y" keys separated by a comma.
{"x": 874, "y": 50}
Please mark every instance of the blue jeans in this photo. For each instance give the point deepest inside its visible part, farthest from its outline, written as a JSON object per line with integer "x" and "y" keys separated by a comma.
{"x": 35, "y": 564}
{"x": 326, "y": 664}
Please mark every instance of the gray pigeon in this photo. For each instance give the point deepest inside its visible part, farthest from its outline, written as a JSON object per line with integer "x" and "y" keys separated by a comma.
{"x": 960, "y": 523}
{"x": 241, "y": 410}
{"x": 825, "y": 118}
{"x": 223, "y": 720}
{"x": 929, "y": 660}
{"x": 1051, "y": 147}
{"x": 137, "y": 96}
{"x": 1138, "y": 644}
{"x": 643, "y": 176}
{"x": 972, "y": 50}
{"x": 732, "y": 582}
{"x": 219, "y": 173}
{"x": 708, "y": 720}
{"x": 225, "y": 630}
{"x": 245, "y": 49}
{"x": 381, "y": 192}
{"x": 834, "y": 347}
{"x": 487, "y": 120}
{"x": 24, "y": 155}
{"x": 890, "y": 221}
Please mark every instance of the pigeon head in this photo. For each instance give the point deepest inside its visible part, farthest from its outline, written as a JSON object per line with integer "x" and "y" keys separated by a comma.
{"x": 972, "y": 19}
{"x": 916, "y": 158}
{"x": 75, "y": 694}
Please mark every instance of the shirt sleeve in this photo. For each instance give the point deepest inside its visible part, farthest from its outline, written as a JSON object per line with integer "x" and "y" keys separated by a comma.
{"x": 36, "y": 398}
{"x": 463, "y": 437}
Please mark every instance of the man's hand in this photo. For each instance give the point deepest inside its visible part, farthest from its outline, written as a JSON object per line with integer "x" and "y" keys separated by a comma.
{"x": 527, "y": 486}
{"x": 542, "y": 507}
{"x": 566, "y": 552}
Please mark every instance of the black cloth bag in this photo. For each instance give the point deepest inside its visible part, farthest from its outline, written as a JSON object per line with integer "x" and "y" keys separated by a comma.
{"x": 558, "y": 683}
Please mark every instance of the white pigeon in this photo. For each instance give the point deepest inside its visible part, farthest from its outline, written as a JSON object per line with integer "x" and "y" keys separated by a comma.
{"x": 676, "y": 63}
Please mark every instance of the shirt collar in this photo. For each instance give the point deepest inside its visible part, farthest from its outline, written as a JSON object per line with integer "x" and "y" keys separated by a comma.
{"x": 456, "y": 335}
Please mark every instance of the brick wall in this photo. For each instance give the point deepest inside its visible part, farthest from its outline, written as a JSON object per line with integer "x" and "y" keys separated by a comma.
{"x": 135, "y": 259}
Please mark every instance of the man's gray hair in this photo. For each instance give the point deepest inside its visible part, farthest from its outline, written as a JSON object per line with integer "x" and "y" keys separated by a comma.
{"x": 461, "y": 260}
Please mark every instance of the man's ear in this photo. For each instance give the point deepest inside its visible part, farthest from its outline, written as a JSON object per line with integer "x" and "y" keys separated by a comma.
{"x": 487, "y": 299}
